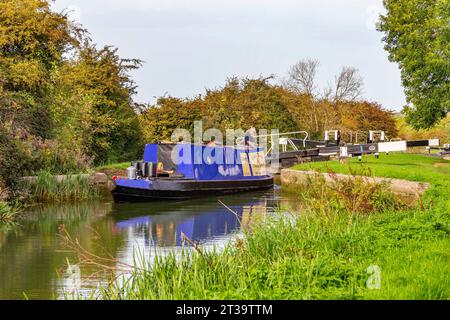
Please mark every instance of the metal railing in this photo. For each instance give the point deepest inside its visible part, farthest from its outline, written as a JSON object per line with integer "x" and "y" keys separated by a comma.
{"x": 285, "y": 141}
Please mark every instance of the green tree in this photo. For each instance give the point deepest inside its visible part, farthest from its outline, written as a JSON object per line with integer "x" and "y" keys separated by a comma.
{"x": 95, "y": 95}
{"x": 417, "y": 36}
{"x": 246, "y": 103}
{"x": 160, "y": 121}
{"x": 63, "y": 102}
{"x": 33, "y": 42}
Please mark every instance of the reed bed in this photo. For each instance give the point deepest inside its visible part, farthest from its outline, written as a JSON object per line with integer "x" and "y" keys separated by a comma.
{"x": 47, "y": 188}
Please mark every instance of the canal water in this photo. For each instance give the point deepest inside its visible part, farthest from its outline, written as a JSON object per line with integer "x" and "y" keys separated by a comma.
{"x": 34, "y": 259}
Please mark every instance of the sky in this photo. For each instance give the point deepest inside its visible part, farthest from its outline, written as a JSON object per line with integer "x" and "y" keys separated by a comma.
{"x": 191, "y": 45}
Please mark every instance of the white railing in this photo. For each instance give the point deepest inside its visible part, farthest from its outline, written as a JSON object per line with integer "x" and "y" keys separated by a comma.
{"x": 286, "y": 141}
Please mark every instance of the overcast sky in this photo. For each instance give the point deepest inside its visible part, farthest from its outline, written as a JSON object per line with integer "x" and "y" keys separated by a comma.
{"x": 190, "y": 45}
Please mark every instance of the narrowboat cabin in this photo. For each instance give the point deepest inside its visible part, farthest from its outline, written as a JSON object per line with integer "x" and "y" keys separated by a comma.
{"x": 184, "y": 171}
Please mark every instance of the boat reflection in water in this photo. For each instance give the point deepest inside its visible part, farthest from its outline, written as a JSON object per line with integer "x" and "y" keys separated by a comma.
{"x": 205, "y": 222}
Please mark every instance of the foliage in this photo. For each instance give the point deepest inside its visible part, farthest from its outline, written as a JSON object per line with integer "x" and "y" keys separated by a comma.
{"x": 9, "y": 173}
{"x": 439, "y": 131}
{"x": 353, "y": 194}
{"x": 160, "y": 121}
{"x": 64, "y": 104}
{"x": 95, "y": 97}
{"x": 417, "y": 36}
{"x": 338, "y": 106}
{"x": 246, "y": 103}
{"x": 33, "y": 41}
{"x": 363, "y": 116}
{"x": 240, "y": 104}
{"x": 8, "y": 213}
{"x": 317, "y": 116}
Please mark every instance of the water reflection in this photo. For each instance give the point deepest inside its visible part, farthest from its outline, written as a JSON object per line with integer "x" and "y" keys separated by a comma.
{"x": 33, "y": 258}
{"x": 165, "y": 228}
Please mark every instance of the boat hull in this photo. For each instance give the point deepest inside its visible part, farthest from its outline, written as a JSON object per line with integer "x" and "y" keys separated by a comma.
{"x": 188, "y": 189}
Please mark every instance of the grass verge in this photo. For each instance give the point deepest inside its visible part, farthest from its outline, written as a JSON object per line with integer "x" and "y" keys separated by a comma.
{"x": 113, "y": 166}
{"x": 115, "y": 169}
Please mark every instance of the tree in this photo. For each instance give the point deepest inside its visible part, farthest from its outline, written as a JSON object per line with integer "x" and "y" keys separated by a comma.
{"x": 99, "y": 89}
{"x": 246, "y": 103}
{"x": 348, "y": 85}
{"x": 302, "y": 77}
{"x": 313, "y": 111}
{"x": 159, "y": 122}
{"x": 302, "y": 80}
{"x": 417, "y": 37}
{"x": 33, "y": 42}
{"x": 63, "y": 102}
{"x": 240, "y": 104}
{"x": 362, "y": 116}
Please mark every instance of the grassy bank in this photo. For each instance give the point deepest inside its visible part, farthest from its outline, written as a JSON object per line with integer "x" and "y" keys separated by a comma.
{"x": 412, "y": 167}
{"x": 47, "y": 189}
{"x": 115, "y": 166}
{"x": 114, "y": 169}
{"x": 326, "y": 252}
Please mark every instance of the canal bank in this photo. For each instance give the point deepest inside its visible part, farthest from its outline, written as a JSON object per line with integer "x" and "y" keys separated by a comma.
{"x": 324, "y": 251}
{"x": 292, "y": 179}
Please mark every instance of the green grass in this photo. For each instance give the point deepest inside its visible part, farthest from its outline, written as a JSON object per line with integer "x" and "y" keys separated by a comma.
{"x": 47, "y": 189}
{"x": 320, "y": 254}
{"x": 311, "y": 258}
{"x": 115, "y": 166}
{"x": 412, "y": 167}
{"x": 398, "y": 165}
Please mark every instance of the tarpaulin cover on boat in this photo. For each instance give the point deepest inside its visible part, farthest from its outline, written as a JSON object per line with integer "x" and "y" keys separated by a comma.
{"x": 208, "y": 162}
{"x": 160, "y": 153}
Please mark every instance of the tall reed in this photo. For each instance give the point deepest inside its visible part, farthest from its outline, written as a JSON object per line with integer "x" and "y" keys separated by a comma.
{"x": 47, "y": 188}
{"x": 355, "y": 194}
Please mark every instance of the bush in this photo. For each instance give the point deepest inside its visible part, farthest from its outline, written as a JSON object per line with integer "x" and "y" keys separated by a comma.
{"x": 10, "y": 157}
{"x": 354, "y": 194}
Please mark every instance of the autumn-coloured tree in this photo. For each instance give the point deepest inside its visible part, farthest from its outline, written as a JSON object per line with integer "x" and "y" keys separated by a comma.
{"x": 160, "y": 121}
{"x": 363, "y": 116}
{"x": 246, "y": 103}
{"x": 240, "y": 104}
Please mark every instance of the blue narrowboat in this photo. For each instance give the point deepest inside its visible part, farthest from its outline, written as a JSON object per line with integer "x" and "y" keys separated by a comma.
{"x": 183, "y": 171}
